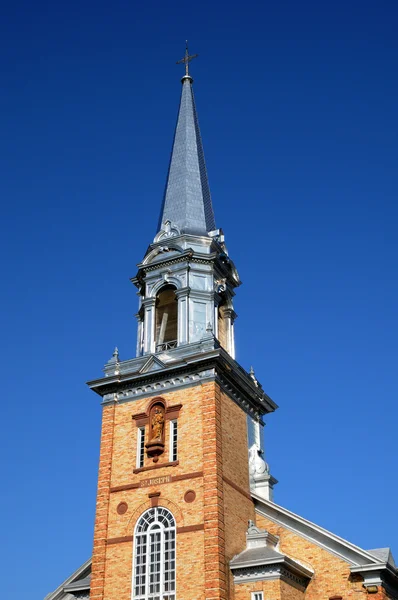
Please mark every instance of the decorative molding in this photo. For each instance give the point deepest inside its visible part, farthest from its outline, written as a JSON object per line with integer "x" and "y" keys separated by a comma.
{"x": 173, "y": 412}
{"x": 134, "y": 486}
{"x": 315, "y": 534}
{"x": 193, "y": 475}
{"x": 124, "y": 488}
{"x": 189, "y": 528}
{"x": 179, "y": 258}
{"x": 269, "y": 572}
{"x": 235, "y": 394}
{"x": 187, "y": 365}
{"x": 141, "y": 420}
{"x": 237, "y": 488}
{"x": 189, "y": 496}
{"x": 163, "y": 385}
{"x": 155, "y": 481}
{"x": 119, "y": 540}
{"x": 156, "y": 466}
{"x": 154, "y": 498}
{"x": 122, "y": 508}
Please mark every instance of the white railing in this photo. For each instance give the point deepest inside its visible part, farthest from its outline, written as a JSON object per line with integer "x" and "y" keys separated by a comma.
{"x": 166, "y": 346}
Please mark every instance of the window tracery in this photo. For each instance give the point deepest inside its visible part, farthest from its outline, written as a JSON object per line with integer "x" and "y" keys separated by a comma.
{"x": 155, "y": 556}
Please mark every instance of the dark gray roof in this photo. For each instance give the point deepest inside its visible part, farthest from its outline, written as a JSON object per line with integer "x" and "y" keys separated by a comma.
{"x": 78, "y": 581}
{"x": 384, "y": 555}
{"x": 187, "y": 200}
{"x": 80, "y": 584}
{"x": 253, "y": 556}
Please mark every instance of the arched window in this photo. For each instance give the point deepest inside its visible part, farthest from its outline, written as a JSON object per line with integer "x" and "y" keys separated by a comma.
{"x": 166, "y": 319}
{"x": 154, "y": 574}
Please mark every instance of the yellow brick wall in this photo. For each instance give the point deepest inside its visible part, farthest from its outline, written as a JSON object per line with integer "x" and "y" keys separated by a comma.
{"x": 212, "y": 454}
{"x": 332, "y": 574}
{"x": 271, "y": 590}
{"x": 102, "y": 505}
{"x": 238, "y": 507}
{"x": 274, "y": 589}
{"x": 212, "y": 446}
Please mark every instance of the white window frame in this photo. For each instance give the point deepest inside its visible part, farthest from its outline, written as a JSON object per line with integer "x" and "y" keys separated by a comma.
{"x": 160, "y": 521}
{"x": 173, "y": 441}
{"x": 257, "y": 596}
{"x": 140, "y": 447}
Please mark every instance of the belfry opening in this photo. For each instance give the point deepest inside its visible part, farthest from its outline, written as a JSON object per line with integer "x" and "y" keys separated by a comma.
{"x": 166, "y": 324}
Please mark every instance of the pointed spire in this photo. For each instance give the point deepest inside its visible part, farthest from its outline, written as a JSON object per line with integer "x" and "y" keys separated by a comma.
{"x": 187, "y": 201}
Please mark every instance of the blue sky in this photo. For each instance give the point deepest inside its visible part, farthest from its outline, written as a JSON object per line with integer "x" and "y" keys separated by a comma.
{"x": 297, "y": 106}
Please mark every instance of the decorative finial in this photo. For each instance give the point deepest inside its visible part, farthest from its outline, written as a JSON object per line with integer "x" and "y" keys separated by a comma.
{"x": 253, "y": 376}
{"x": 114, "y": 360}
{"x": 186, "y": 60}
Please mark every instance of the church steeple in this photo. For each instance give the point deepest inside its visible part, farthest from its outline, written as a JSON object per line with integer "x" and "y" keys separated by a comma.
{"x": 187, "y": 200}
{"x": 186, "y": 281}
{"x": 180, "y": 417}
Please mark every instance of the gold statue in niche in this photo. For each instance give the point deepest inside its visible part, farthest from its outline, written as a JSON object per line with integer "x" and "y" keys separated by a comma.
{"x": 157, "y": 424}
{"x": 155, "y": 444}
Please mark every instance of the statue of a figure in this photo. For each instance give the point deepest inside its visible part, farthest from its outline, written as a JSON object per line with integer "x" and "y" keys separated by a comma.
{"x": 157, "y": 424}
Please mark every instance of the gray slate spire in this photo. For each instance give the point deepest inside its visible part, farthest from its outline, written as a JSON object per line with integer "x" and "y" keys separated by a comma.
{"x": 187, "y": 200}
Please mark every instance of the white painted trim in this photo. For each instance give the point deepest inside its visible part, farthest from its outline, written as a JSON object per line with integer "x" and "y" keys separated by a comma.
{"x": 314, "y": 533}
{"x": 162, "y": 540}
{"x": 59, "y": 593}
{"x": 140, "y": 443}
{"x": 173, "y": 424}
{"x": 257, "y": 595}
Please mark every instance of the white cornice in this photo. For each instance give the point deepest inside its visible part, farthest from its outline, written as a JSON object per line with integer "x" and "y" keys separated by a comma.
{"x": 352, "y": 554}
{"x": 76, "y": 575}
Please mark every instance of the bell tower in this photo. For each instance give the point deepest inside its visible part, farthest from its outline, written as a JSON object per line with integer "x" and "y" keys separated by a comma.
{"x": 180, "y": 445}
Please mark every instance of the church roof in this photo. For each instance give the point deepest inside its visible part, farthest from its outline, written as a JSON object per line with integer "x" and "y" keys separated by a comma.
{"x": 78, "y": 582}
{"x": 383, "y": 554}
{"x": 253, "y": 556}
{"x": 187, "y": 201}
{"x": 261, "y": 560}
{"x": 369, "y": 563}
{"x": 316, "y": 534}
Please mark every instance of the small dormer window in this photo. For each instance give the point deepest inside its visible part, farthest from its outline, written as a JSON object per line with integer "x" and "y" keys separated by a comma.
{"x": 166, "y": 319}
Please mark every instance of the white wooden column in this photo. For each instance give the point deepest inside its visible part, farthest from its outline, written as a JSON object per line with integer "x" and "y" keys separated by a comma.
{"x": 149, "y": 325}
{"x": 182, "y": 316}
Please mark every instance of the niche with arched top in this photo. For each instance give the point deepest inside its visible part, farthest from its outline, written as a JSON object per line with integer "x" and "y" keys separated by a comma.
{"x": 156, "y": 433}
{"x": 166, "y": 323}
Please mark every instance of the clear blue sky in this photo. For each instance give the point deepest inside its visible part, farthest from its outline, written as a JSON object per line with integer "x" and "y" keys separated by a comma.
{"x": 298, "y": 109}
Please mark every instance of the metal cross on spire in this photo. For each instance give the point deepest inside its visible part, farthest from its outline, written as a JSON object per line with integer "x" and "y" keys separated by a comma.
{"x": 187, "y": 59}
